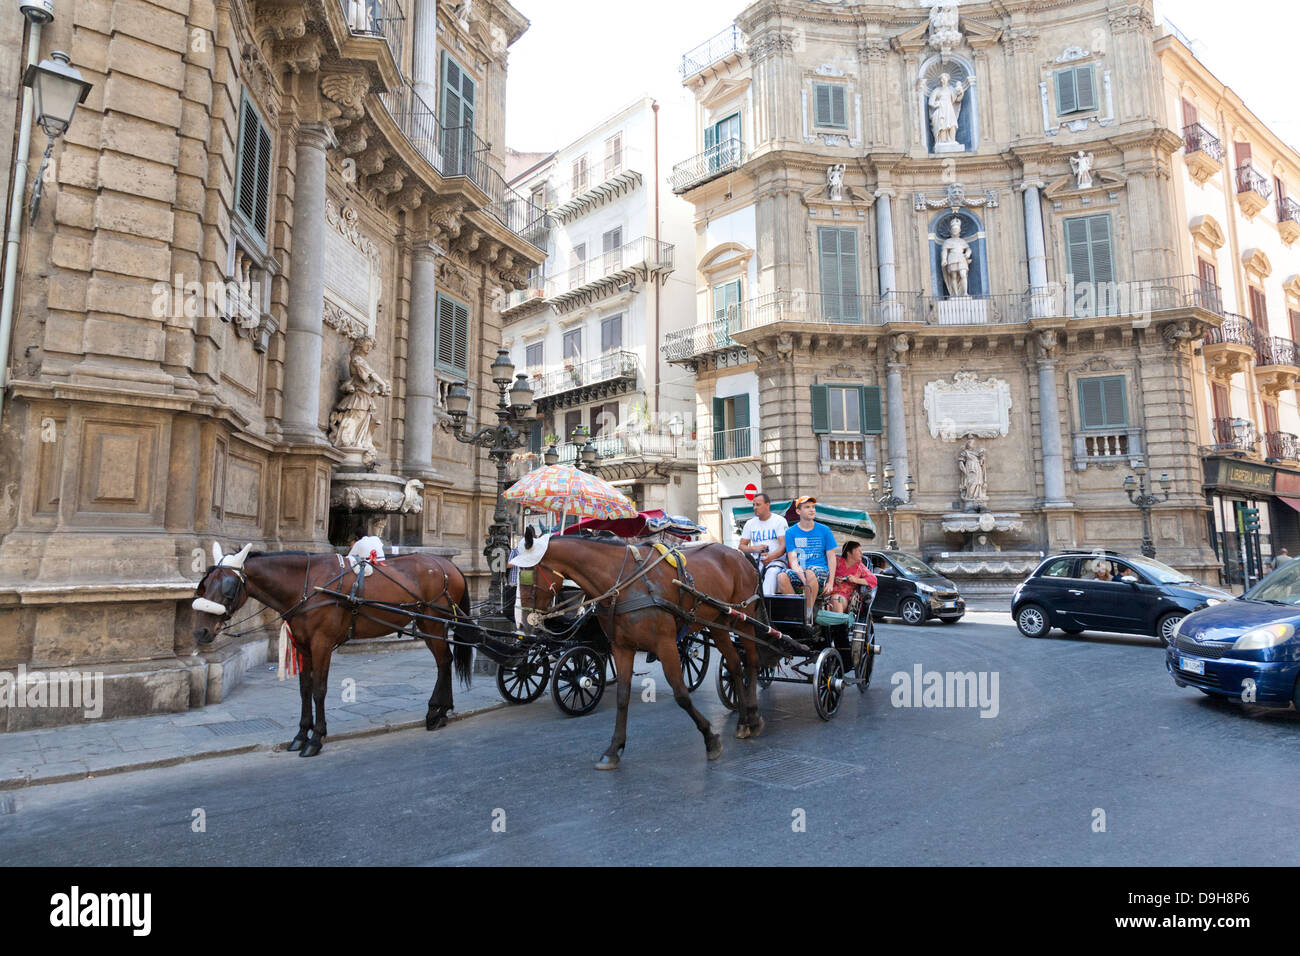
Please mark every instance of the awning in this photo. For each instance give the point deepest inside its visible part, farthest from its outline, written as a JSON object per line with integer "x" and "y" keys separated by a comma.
{"x": 837, "y": 519}
{"x": 1293, "y": 502}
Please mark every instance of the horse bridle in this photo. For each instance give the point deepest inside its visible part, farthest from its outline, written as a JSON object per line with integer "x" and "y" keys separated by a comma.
{"x": 232, "y": 597}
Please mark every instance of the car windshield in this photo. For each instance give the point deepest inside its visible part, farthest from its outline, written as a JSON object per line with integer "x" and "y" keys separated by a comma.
{"x": 912, "y": 566}
{"x": 1281, "y": 587}
{"x": 1160, "y": 573}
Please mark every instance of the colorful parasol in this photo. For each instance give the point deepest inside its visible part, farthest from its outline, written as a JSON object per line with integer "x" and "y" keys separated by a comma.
{"x": 564, "y": 490}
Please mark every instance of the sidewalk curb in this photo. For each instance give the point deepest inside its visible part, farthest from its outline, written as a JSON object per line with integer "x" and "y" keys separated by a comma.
{"x": 18, "y": 783}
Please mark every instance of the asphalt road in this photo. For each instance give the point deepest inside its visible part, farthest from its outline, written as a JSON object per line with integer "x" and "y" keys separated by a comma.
{"x": 1088, "y": 731}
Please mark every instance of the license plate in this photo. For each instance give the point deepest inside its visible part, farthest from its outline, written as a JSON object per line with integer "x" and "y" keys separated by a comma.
{"x": 949, "y": 603}
{"x": 1191, "y": 666}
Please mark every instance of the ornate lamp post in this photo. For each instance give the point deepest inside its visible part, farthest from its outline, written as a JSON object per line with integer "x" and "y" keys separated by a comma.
{"x": 888, "y": 500}
{"x": 1136, "y": 486}
{"x": 514, "y": 411}
{"x": 586, "y": 456}
{"x": 58, "y": 89}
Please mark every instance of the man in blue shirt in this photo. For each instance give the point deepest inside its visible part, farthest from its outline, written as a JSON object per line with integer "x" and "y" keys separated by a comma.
{"x": 812, "y": 551}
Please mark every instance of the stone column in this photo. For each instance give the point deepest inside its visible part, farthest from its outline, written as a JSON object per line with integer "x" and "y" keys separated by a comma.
{"x": 303, "y": 342}
{"x": 885, "y": 243}
{"x": 424, "y": 51}
{"x": 421, "y": 382}
{"x": 1049, "y": 426}
{"x": 897, "y": 412}
{"x": 1036, "y": 249}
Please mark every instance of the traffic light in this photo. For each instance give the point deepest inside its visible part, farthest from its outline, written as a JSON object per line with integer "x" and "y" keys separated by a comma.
{"x": 1250, "y": 519}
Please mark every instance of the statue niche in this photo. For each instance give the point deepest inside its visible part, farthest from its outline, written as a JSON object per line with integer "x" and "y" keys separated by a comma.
{"x": 355, "y": 418}
{"x": 948, "y": 106}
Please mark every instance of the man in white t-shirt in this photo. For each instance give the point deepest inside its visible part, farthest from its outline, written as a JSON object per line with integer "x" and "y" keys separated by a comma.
{"x": 764, "y": 535}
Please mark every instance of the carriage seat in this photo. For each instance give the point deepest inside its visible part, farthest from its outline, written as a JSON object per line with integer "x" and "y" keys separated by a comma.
{"x": 833, "y": 618}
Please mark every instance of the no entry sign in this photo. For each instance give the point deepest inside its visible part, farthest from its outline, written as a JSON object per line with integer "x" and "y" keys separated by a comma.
{"x": 750, "y": 491}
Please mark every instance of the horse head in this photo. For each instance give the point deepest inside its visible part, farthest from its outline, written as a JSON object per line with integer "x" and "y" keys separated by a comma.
{"x": 221, "y": 592}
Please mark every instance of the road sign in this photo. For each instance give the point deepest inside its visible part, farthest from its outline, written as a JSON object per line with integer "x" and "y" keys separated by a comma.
{"x": 750, "y": 491}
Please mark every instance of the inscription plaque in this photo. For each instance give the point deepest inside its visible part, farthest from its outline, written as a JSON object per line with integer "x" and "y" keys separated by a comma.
{"x": 352, "y": 280}
{"x": 968, "y": 406}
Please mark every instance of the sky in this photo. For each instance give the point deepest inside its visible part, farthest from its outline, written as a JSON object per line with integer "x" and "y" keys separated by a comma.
{"x": 582, "y": 60}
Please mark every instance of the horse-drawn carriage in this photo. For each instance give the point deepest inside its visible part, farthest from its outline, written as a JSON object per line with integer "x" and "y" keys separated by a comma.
{"x": 571, "y": 652}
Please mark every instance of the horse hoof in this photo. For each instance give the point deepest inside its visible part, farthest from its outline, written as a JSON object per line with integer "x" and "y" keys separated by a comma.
{"x": 742, "y": 731}
{"x": 757, "y": 729}
{"x": 714, "y": 746}
{"x": 296, "y": 743}
{"x": 606, "y": 762}
{"x": 434, "y": 723}
{"x": 311, "y": 749}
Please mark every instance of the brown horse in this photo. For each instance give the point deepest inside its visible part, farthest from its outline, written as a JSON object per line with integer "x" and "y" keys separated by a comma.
{"x": 286, "y": 582}
{"x": 598, "y": 566}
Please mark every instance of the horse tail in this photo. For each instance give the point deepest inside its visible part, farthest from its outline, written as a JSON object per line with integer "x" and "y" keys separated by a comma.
{"x": 462, "y": 653}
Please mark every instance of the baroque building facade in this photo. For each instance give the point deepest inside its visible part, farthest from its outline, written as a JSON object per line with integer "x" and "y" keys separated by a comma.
{"x": 944, "y": 240}
{"x": 274, "y": 236}
{"x": 1240, "y": 225}
{"x": 588, "y": 327}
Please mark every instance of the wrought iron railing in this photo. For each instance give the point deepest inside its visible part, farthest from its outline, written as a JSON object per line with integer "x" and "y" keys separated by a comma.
{"x": 644, "y": 252}
{"x": 603, "y": 368}
{"x": 1288, "y": 210}
{"x": 1085, "y": 300}
{"x": 458, "y": 151}
{"x": 1251, "y": 180}
{"x": 630, "y": 445}
{"x": 1233, "y": 435}
{"x": 1275, "y": 350}
{"x": 1235, "y": 330}
{"x": 728, "y": 445}
{"x": 715, "y": 48}
{"x": 377, "y": 18}
{"x": 713, "y": 162}
{"x": 1282, "y": 445}
{"x": 1198, "y": 139}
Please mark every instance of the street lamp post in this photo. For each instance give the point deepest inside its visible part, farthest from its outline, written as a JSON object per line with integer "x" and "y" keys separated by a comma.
{"x": 1136, "y": 486}
{"x": 58, "y": 89}
{"x": 514, "y": 411}
{"x": 888, "y": 500}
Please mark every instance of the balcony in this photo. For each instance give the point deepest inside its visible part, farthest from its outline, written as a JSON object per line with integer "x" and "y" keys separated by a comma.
{"x": 1203, "y": 152}
{"x": 717, "y": 160}
{"x": 1232, "y": 436}
{"x": 1275, "y": 364}
{"x": 377, "y": 18}
{"x": 609, "y": 374}
{"x": 610, "y": 179}
{"x": 1253, "y": 190}
{"x": 841, "y": 451}
{"x": 1107, "y": 447}
{"x": 1140, "y": 297}
{"x": 725, "y": 45}
{"x": 1232, "y": 347}
{"x": 522, "y": 300}
{"x": 602, "y": 274}
{"x": 1288, "y": 219}
{"x": 637, "y": 446}
{"x": 731, "y": 445}
{"x": 459, "y": 152}
{"x": 1282, "y": 446}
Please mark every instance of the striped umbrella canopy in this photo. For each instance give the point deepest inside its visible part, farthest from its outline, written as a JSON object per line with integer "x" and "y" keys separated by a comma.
{"x": 564, "y": 490}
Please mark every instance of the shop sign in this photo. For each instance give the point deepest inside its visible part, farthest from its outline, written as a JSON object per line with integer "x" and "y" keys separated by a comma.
{"x": 1226, "y": 473}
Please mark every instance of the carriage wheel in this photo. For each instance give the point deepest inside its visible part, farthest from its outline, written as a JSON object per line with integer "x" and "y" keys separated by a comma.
{"x": 579, "y": 681}
{"x": 727, "y": 687}
{"x": 828, "y": 683}
{"x": 527, "y": 682}
{"x": 765, "y": 677}
{"x": 865, "y": 666}
{"x": 693, "y": 652}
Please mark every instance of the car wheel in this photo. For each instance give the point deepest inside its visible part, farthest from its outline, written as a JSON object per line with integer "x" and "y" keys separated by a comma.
{"x": 1032, "y": 621}
{"x": 1165, "y": 626}
{"x": 912, "y": 611}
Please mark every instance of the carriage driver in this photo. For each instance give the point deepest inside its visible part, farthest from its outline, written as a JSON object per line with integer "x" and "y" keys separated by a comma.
{"x": 812, "y": 551}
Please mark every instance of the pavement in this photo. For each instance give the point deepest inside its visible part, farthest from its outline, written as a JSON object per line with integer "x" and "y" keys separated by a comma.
{"x": 1086, "y": 754}
{"x": 390, "y": 691}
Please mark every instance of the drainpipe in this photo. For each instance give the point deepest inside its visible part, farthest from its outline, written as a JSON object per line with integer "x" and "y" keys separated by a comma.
{"x": 654, "y": 339}
{"x": 14, "y": 237}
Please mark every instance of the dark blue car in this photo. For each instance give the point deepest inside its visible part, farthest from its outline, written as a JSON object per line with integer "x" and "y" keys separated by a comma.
{"x": 1247, "y": 648}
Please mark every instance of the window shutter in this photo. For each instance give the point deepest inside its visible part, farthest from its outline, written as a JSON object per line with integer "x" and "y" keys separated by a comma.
{"x": 461, "y": 339}
{"x": 535, "y": 438}
{"x": 253, "y": 176}
{"x": 822, "y": 96}
{"x": 1091, "y": 406}
{"x": 1270, "y": 417}
{"x": 828, "y": 243}
{"x": 1086, "y": 89}
{"x": 452, "y": 334}
{"x": 1067, "y": 97}
{"x": 848, "y": 305}
{"x": 1189, "y": 114}
{"x": 719, "y": 428}
{"x": 1243, "y": 153}
{"x": 261, "y": 212}
{"x": 710, "y": 137}
{"x": 1076, "y": 241}
{"x": 1102, "y": 266}
{"x": 1295, "y": 324}
{"x": 740, "y": 408}
{"x": 1112, "y": 393}
{"x": 821, "y": 409}
{"x": 445, "y": 321}
{"x": 872, "y": 416}
{"x": 839, "y": 107}
{"x": 1219, "y": 397}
